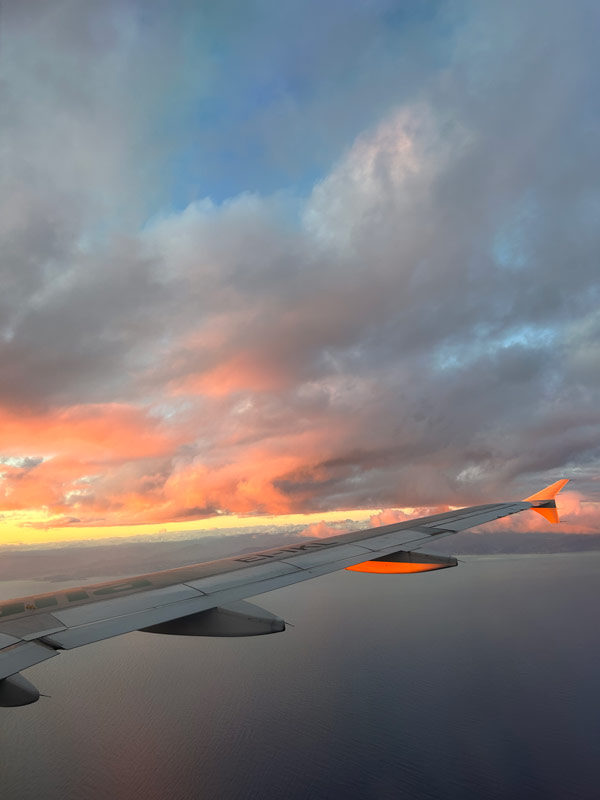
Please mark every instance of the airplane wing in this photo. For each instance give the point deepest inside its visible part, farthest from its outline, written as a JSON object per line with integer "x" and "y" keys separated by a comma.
{"x": 208, "y": 599}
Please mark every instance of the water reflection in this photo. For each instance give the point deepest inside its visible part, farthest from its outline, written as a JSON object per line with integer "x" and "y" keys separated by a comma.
{"x": 466, "y": 683}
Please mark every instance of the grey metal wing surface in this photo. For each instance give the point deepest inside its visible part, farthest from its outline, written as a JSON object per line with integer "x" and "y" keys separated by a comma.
{"x": 209, "y": 598}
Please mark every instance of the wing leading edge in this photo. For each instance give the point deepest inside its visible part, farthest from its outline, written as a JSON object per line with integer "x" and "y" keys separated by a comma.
{"x": 206, "y": 599}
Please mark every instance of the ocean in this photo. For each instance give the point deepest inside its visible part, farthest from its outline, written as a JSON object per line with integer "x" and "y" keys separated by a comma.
{"x": 475, "y": 682}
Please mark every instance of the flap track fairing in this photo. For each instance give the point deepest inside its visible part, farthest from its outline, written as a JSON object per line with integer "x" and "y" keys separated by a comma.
{"x": 404, "y": 562}
{"x": 235, "y": 619}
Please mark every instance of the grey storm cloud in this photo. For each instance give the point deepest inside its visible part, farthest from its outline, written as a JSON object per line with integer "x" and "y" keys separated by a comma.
{"x": 427, "y": 312}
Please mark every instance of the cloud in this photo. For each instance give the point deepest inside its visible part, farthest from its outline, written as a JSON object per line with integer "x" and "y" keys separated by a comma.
{"x": 576, "y": 513}
{"x": 321, "y": 530}
{"x": 413, "y": 324}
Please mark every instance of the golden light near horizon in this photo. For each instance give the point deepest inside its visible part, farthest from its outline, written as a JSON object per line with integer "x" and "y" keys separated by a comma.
{"x": 34, "y": 528}
{"x": 16, "y": 530}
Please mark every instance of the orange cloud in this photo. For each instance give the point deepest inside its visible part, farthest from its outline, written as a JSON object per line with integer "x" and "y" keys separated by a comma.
{"x": 95, "y": 432}
{"x": 119, "y": 464}
{"x": 116, "y": 464}
{"x": 74, "y": 451}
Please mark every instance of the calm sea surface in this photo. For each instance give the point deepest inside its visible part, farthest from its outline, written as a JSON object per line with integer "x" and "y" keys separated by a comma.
{"x": 476, "y": 682}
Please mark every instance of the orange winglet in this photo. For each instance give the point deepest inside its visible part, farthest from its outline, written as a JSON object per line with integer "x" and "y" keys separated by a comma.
{"x": 551, "y": 514}
{"x": 550, "y": 492}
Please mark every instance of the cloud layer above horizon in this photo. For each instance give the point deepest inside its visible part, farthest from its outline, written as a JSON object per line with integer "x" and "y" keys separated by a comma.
{"x": 276, "y": 258}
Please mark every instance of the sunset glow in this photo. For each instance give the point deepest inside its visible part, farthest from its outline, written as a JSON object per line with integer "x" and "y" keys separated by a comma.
{"x": 254, "y": 276}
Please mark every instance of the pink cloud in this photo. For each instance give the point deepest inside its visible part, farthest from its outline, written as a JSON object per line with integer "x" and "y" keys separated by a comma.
{"x": 322, "y": 530}
{"x": 115, "y": 464}
{"x": 577, "y": 515}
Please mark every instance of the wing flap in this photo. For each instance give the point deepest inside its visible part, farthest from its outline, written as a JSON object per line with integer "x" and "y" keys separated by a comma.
{"x": 7, "y": 641}
{"x": 120, "y": 606}
{"x": 22, "y": 655}
{"x": 320, "y": 557}
{"x": 33, "y": 627}
{"x": 258, "y": 573}
{"x": 115, "y": 626}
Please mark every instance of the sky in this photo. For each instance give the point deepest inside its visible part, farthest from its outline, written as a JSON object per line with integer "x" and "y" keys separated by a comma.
{"x": 268, "y": 259}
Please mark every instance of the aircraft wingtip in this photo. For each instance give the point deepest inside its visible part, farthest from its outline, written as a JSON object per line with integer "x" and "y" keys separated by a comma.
{"x": 550, "y": 492}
